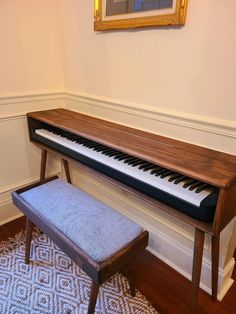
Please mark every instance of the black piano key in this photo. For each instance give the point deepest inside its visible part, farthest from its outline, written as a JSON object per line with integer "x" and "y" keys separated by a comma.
{"x": 101, "y": 148}
{"x": 133, "y": 162}
{"x": 115, "y": 153}
{"x": 88, "y": 144}
{"x": 107, "y": 150}
{"x": 110, "y": 154}
{"x": 130, "y": 159}
{"x": 137, "y": 163}
{"x": 189, "y": 182}
{"x": 149, "y": 167}
{"x": 97, "y": 148}
{"x": 81, "y": 140}
{"x": 155, "y": 170}
{"x": 202, "y": 187}
{"x": 72, "y": 137}
{"x": 65, "y": 134}
{"x": 180, "y": 179}
{"x": 120, "y": 155}
{"x": 174, "y": 176}
{"x": 144, "y": 165}
{"x": 161, "y": 171}
{"x": 194, "y": 186}
{"x": 123, "y": 157}
{"x": 166, "y": 174}
{"x": 93, "y": 145}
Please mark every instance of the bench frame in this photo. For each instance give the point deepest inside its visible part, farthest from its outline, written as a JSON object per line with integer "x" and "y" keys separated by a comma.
{"x": 121, "y": 261}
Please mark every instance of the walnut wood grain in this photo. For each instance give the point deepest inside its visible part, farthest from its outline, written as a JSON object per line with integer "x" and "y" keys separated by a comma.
{"x": 206, "y": 165}
{"x": 43, "y": 164}
{"x": 67, "y": 170}
{"x": 197, "y": 265}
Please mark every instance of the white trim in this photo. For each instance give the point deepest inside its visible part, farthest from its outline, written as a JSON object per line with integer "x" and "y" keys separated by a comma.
{"x": 203, "y": 123}
{"x": 5, "y": 221}
{"x": 197, "y": 122}
{"x": 16, "y": 106}
{"x": 19, "y": 184}
{"x": 30, "y": 97}
{"x": 12, "y": 116}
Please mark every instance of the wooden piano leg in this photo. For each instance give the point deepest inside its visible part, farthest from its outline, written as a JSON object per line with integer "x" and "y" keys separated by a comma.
{"x": 43, "y": 164}
{"x": 215, "y": 247}
{"x": 67, "y": 171}
{"x": 197, "y": 265}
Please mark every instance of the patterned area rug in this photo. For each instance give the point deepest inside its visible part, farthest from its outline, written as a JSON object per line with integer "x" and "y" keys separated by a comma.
{"x": 53, "y": 284}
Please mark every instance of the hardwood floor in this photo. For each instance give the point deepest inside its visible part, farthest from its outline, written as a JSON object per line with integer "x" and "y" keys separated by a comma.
{"x": 166, "y": 289}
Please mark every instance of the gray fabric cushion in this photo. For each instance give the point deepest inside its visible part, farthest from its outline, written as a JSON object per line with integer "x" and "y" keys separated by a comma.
{"x": 93, "y": 226}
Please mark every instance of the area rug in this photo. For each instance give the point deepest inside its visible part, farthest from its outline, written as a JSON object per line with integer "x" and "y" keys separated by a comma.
{"x": 53, "y": 284}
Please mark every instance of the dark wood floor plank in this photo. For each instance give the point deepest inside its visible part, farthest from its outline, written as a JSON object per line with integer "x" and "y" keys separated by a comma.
{"x": 167, "y": 290}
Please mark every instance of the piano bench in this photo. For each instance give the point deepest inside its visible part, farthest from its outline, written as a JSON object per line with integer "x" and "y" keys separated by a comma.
{"x": 98, "y": 239}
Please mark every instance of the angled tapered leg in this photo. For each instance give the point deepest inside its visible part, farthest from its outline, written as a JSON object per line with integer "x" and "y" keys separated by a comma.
{"x": 67, "y": 170}
{"x": 43, "y": 164}
{"x": 215, "y": 247}
{"x": 93, "y": 297}
{"x": 130, "y": 277}
{"x": 29, "y": 227}
{"x": 197, "y": 265}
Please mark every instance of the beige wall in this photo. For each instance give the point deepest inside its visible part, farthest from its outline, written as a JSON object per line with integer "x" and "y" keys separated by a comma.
{"x": 174, "y": 81}
{"x": 30, "y": 64}
{"x": 188, "y": 70}
{"x": 30, "y": 54}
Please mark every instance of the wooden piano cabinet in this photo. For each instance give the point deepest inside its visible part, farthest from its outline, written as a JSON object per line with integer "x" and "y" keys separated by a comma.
{"x": 206, "y": 165}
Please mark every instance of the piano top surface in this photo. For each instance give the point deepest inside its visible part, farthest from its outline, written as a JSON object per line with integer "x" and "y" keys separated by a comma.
{"x": 207, "y": 165}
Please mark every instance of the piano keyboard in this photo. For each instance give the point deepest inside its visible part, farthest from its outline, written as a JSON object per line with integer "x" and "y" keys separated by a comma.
{"x": 170, "y": 187}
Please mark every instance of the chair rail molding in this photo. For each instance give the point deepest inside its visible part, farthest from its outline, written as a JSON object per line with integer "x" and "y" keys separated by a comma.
{"x": 17, "y": 105}
{"x": 198, "y": 122}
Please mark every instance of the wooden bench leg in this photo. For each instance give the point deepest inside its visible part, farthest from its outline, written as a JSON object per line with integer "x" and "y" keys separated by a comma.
{"x": 29, "y": 228}
{"x": 67, "y": 171}
{"x": 93, "y": 297}
{"x": 43, "y": 164}
{"x": 130, "y": 277}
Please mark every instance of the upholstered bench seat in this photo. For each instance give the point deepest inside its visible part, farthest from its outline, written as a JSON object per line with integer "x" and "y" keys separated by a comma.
{"x": 96, "y": 228}
{"x": 98, "y": 239}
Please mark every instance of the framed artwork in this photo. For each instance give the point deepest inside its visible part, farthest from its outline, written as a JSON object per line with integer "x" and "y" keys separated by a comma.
{"x": 118, "y": 14}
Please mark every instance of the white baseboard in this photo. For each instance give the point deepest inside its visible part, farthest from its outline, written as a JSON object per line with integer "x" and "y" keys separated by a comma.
{"x": 11, "y": 218}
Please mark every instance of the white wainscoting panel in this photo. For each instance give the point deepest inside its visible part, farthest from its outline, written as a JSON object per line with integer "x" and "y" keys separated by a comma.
{"x": 20, "y": 159}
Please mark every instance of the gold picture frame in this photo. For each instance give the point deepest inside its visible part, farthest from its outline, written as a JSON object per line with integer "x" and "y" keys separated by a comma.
{"x": 123, "y": 14}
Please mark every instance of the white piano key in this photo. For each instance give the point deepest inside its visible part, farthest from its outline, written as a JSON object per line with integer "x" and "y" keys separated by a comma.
{"x": 176, "y": 190}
